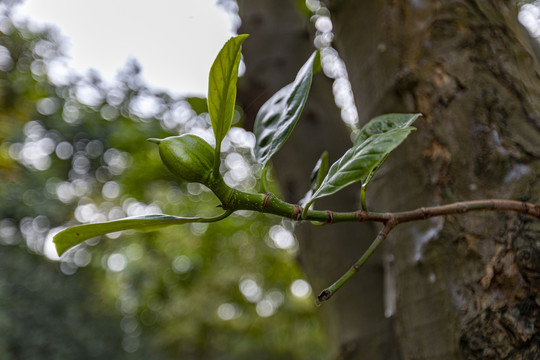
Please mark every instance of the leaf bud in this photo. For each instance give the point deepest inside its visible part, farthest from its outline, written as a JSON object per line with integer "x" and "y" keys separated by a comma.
{"x": 187, "y": 156}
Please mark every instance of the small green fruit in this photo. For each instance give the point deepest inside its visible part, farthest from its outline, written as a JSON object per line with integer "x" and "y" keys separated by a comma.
{"x": 187, "y": 156}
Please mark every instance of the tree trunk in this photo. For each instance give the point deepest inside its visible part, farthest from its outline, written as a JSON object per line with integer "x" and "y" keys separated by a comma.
{"x": 280, "y": 43}
{"x": 461, "y": 287}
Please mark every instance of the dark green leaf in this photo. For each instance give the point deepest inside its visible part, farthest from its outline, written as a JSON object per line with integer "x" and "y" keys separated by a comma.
{"x": 278, "y": 116}
{"x": 359, "y": 161}
{"x": 222, "y": 87}
{"x": 385, "y": 123}
{"x": 319, "y": 172}
{"x": 75, "y": 235}
{"x": 317, "y": 176}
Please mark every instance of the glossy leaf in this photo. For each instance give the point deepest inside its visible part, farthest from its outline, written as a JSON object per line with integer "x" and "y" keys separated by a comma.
{"x": 222, "y": 87}
{"x": 359, "y": 161}
{"x": 278, "y": 116}
{"x": 75, "y": 235}
{"x": 379, "y": 125}
{"x": 385, "y": 123}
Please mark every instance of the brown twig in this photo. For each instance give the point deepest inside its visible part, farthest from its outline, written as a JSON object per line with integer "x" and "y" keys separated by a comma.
{"x": 391, "y": 220}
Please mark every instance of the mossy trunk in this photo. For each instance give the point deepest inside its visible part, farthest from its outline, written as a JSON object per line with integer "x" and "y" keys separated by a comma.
{"x": 462, "y": 287}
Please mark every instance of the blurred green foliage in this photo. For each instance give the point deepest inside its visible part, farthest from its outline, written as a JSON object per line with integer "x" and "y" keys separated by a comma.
{"x": 73, "y": 149}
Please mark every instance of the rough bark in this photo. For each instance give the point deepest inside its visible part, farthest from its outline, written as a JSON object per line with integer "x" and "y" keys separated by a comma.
{"x": 463, "y": 287}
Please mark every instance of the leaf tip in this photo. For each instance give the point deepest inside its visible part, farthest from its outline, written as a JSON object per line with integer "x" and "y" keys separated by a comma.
{"x": 59, "y": 244}
{"x": 154, "y": 140}
{"x": 324, "y": 156}
{"x": 242, "y": 37}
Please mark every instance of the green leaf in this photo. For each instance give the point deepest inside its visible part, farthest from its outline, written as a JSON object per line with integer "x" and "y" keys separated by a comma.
{"x": 317, "y": 176}
{"x": 278, "y": 116}
{"x": 319, "y": 172}
{"x": 75, "y": 235}
{"x": 198, "y": 104}
{"x": 222, "y": 87}
{"x": 379, "y": 125}
{"x": 385, "y": 123}
{"x": 359, "y": 161}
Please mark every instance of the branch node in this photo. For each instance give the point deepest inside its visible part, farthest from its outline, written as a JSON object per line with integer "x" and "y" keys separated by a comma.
{"x": 330, "y": 216}
{"x": 229, "y": 199}
{"x": 265, "y": 201}
{"x": 361, "y": 215}
{"x": 425, "y": 212}
{"x": 531, "y": 209}
{"x": 297, "y": 214}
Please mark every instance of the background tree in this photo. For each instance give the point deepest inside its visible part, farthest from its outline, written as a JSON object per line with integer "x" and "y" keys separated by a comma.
{"x": 73, "y": 149}
{"x": 460, "y": 287}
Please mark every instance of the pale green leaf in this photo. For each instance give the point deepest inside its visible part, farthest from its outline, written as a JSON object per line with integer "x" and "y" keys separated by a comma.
{"x": 278, "y": 116}
{"x": 359, "y": 161}
{"x": 379, "y": 125}
{"x": 385, "y": 123}
{"x": 75, "y": 235}
{"x": 222, "y": 87}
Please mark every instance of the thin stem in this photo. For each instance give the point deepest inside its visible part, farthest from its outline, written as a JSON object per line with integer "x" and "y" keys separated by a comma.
{"x": 217, "y": 160}
{"x": 363, "y": 198}
{"x": 222, "y": 216}
{"x": 332, "y": 289}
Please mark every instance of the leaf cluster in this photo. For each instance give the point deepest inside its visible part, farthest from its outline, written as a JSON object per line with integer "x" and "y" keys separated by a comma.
{"x": 274, "y": 124}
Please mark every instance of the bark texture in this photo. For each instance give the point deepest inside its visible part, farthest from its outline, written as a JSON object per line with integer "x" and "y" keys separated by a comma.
{"x": 462, "y": 287}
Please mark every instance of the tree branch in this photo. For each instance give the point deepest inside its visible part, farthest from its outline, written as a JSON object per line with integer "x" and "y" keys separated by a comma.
{"x": 455, "y": 208}
{"x": 332, "y": 289}
{"x": 391, "y": 220}
{"x": 270, "y": 204}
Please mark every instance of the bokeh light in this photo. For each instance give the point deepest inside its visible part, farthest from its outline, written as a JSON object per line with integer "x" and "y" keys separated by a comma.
{"x": 73, "y": 150}
{"x": 529, "y": 16}
{"x": 300, "y": 288}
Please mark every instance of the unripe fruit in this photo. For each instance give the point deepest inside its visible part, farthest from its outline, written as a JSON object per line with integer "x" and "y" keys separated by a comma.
{"x": 187, "y": 156}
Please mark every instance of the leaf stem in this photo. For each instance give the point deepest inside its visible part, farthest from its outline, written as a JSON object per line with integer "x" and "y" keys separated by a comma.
{"x": 363, "y": 197}
{"x": 264, "y": 180}
{"x": 222, "y": 216}
{"x": 217, "y": 160}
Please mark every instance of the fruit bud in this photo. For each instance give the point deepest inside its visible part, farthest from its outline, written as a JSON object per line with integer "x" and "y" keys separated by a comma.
{"x": 187, "y": 156}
